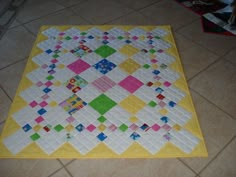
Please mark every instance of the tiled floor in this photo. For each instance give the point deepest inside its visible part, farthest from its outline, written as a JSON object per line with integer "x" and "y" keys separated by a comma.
{"x": 210, "y": 66}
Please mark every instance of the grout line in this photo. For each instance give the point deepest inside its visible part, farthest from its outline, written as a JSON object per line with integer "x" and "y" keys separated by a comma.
{"x": 230, "y": 62}
{"x": 177, "y": 30}
{"x": 148, "y": 5}
{"x": 29, "y": 30}
{"x": 1, "y": 87}
{"x": 51, "y": 13}
{"x": 56, "y": 171}
{"x": 204, "y": 69}
{"x": 15, "y": 62}
{"x": 118, "y": 17}
{"x": 187, "y": 166}
{"x": 64, "y": 166}
{"x": 207, "y": 165}
{"x": 75, "y": 4}
{"x": 213, "y": 104}
{"x": 68, "y": 171}
{"x": 133, "y": 10}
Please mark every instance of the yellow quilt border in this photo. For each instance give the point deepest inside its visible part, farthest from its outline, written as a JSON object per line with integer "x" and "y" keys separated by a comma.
{"x": 102, "y": 151}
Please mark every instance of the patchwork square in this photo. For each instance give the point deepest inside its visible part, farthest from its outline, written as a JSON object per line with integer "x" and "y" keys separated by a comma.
{"x": 73, "y": 104}
{"x": 81, "y": 50}
{"x": 132, "y": 104}
{"x": 102, "y": 104}
{"x": 131, "y": 84}
{"x": 102, "y": 92}
{"x": 76, "y": 83}
{"x": 129, "y": 66}
{"x": 78, "y": 66}
{"x": 129, "y": 50}
{"x": 103, "y": 83}
{"x": 104, "y": 51}
{"x": 104, "y": 66}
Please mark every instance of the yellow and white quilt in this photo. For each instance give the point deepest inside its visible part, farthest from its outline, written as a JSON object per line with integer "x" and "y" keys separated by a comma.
{"x": 103, "y": 92}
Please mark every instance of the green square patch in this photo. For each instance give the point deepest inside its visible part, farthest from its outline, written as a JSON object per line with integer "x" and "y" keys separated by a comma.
{"x": 55, "y": 56}
{"x": 59, "y": 127}
{"x": 123, "y": 127}
{"x": 83, "y": 33}
{"x": 152, "y": 104}
{"x": 120, "y": 38}
{"x": 35, "y": 136}
{"x": 68, "y": 38}
{"x": 50, "y": 77}
{"x": 102, "y": 104}
{"x": 146, "y": 66}
{"x": 152, "y": 51}
{"x": 105, "y": 51}
{"x": 102, "y": 119}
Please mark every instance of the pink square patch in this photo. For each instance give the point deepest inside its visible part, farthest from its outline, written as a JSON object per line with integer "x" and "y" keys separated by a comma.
{"x": 48, "y": 83}
{"x": 167, "y": 84}
{"x": 70, "y": 119}
{"x": 43, "y": 104}
{"x": 131, "y": 84}
{"x": 156, "y": 127}
{"x": 39, "y": 84}
{"x": 91, "y": 127}
{"x": 103, "y": 83}
{"x": 39, "y": 119}
{"x": 133, "y": 127}
{"x": 78, "y": 66}
{"x": 33, "y": 104}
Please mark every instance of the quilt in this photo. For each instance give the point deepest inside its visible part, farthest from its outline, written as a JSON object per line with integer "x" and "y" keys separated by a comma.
{"x": 103, "y": 92}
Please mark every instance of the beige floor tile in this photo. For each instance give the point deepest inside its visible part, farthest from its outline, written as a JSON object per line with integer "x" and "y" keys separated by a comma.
{"x": 34, "y": 9}
{"x": 231, "y": 56}
{"x": 65, "y": 161}
{"x": 194, "y": 57}
{"x": 137, "y": 4}
{"x": 224, "y": 165}
{"x": 15, "y": 45}
{"x": 102, "y": 11}
{"x": 218, "y": 128}
{"x": 68, "y": 3}
{"x": 11, "y": 76}
{"x": 5, "y": 103}
{"x": 129, "y": 167}
{"x": 61, "y": 173}
{"x": 134, "y": 18}
{"x": 218, "y": 84}
{"x": 169, "y": 12}
{"x": 64, "y": 17}
{"x": 219, "y": 44}
{"x": 28, "y": 168}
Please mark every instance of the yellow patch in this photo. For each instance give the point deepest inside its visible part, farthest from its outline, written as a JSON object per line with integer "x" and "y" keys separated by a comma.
{"x": 177, "y": 127}
{"x": 57, "y": 83}
{"x": 61, "y": 66}
{"x": 53, "y": 104}
{"x": 163, "y": 111}
{"x": 132, "y": 104}
{"x": 101, "y": 127}
{"x": 128, "y": 50}
{"x": 129, "y": 66}
{"x": 133, "y": 119}
{"x": 154, "y": 66}
{"x": 69, "y": 127}
{"x": 37, "y": 127}
{"x": 157, "y": 84}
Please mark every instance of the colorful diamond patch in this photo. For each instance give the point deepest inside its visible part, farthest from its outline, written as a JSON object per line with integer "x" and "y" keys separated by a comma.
{"x": 73, "y": 104}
